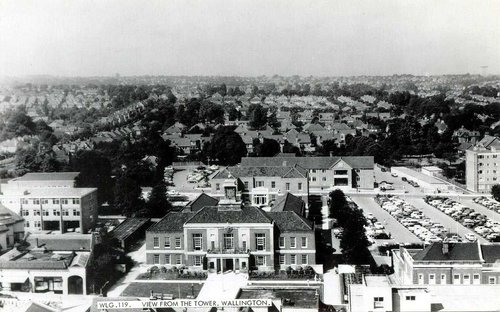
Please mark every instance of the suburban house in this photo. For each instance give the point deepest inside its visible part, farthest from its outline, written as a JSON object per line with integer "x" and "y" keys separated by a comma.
{"x": 231, "y": 236}
{"x": 348, "y": 172}
{"x": 51, "y": 202}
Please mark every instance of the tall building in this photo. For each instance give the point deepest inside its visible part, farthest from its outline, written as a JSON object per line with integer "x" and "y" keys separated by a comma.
{"x": 51, "y": 202}
{"x": 231, "y": 236}
{"x": 482, "y": 165}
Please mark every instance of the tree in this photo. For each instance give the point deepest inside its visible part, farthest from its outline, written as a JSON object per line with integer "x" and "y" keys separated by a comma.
{"x": 337, "y": 205}
{"x": 158, "y": 204}
{"x": 211, "y": 112}
{"x": 226, "y": 147}
{"x": 127, "y": 195}
{"x": 268, "y": 148}
{"x": 27, "y": 160}
{"x": 495, "y": 191}
{"x": 257, "y": 116}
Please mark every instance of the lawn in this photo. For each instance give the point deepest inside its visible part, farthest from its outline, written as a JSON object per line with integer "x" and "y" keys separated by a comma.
{"x": 178, "y": 290}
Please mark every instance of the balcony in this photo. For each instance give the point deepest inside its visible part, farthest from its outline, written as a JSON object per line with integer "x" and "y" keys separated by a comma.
{"x": 224, "y": 251}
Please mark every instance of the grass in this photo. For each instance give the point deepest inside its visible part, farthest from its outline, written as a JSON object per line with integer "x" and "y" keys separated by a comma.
{"x": 144, "y": 289}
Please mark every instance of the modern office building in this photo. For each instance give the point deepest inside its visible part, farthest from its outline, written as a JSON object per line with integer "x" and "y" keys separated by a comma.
{"x": 51, "y": 202}
{"x": 482, "y": 165}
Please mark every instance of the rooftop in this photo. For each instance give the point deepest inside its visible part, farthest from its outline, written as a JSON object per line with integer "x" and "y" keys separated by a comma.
{"x": 289, "y": 202}
{"x": 456, "y": 252}
{"x": 266, "y": 171}
{"x": 61, "y": 242}
{"x": 289, "y": 221}
{"x": 323, "y": 162}
{"x": 128, "y": 227}
{"x": 50, "y": 192}
{"x": 212, "y": 214}
{"x": 171, "y": 222}
{"x": 201, "y": 201}
{"x": 48, "y": 176}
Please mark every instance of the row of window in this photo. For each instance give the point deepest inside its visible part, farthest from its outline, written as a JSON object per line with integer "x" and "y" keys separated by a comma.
{"x": 228, "y": 242}
{"x": 261, "y": 184}
{"x": 487, "y": 156}
{"x": 167, "y": 242}
{"x": 46, "y": 213}
{"x": 36, "y": 224}
{"x": 314, "y": 179}
{"x": 293, "y": 259}
{"x": 53, "y": 201}
{"x": 466, "y": 279}
{"x": 293, "y": 242}
{"x": 170, "y": 259}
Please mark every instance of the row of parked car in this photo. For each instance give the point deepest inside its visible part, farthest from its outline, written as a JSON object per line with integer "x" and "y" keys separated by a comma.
{"x": 200, "y": 175}
{"x": 468, "y": 217}
{"x": 414, "y": 219}
{"x": 488, "y": 203}
{"x": 375, "y": 229}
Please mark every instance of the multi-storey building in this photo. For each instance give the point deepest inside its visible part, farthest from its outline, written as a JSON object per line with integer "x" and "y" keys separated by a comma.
{"x": 448, "y": 263}
{"x": 482, "y": 165}
{"x": 262, "y": 186}
{"x": 231, "y": 236}
{"x": 50, "y": 201}
{"x": 345, "y": 172}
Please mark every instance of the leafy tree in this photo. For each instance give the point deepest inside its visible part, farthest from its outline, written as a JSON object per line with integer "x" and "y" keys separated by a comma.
{"x": 226, "y": 147}
{"x": 495, "y": 191}
{"x": 158, "y": 204}
{"x": 128, "y": 195}
{"x": 27, "y": 160}
{"x": 268, "y": 148}
{"x": 257, "y": 116}
{"x": 211, "y": 112}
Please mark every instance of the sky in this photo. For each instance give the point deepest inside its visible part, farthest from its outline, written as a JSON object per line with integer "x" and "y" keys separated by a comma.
{"x": 248, "y": 38}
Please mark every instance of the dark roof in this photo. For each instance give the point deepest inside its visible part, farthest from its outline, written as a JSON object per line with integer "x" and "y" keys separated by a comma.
{"x": 266, "y": 171}
{"x": 456, "y": 252}
{"x": 323, "y": 162}
{"x": 49, "y": 176}
{"x": 38, "y": 307}
{"x": 491, "y": 253}
{"x": 289, "y": 221}
{"x": 8, "y": 217}
{"x": 244, "y": 215}
{"x": 203, "y": 200}
{"x": 65, "y": 242}
{"x": 289, "y": 202}
{"x": 128, "y": 227}
{"x": 171, "y": 222}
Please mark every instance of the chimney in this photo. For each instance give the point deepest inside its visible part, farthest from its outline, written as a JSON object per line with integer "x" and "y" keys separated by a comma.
{"x": 446, "y": 248}
{"x": 284, "y": 163}
{"x": 37, "y": 245}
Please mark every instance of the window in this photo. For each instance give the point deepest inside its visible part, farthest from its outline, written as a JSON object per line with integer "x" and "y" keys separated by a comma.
{"x": 246, "y": 185}
{"x": 260, "y": 260}
{"x": 299, "y": 186}
{"x": 410, "y": 298}
{"x": 282, "y": 259}
{"x": 282, "y": 242}
{"x": 304, "y": 259}
{"x": 443, "y": 278}
{"x": 36, "y": 202}
{"x": 244, "y": 245}
{"x": 273, "y": 184}
{"x": 76, "y": 212}
{"x": 167, "y": 242}
{"x": 38, "y": 224}
{"x": 56, "y": 212}
{"x": 287, "y": 186}
{"x": 55, "y": 201}
{"x": 64, "y": 201}
{"x": 178, "y": 259}
{"x": 466, "y": 279}
{"x": 167, "y": 259}
{"x": 197, "y": 260}
{"x": 76, "y": 201}
{"x": 156, "y": 242}
{"x": 65, "y": 212}
{"x": 26, "y": 213}
{"x": 313, "y": 171}
{"x": 197, "y": 241}
{"x": 260, "y": 199}
{"x": 27, "y": 224}
{"x": 314, "y": 179}
{"x": 260, "y": 183}
{"x": 323, "y": 179}
{"x": 156, "y": 259}
{"x": 293, "y": 242}
{"x": 293, "y": 259}
{"x": 304, "y": 242}
{"x": 45, "y": 212}
{"x": 491, "y": 280}
{"x": 228, "y": 241}
{"x": 378, "y": 302}
{"x": 456, "y": 278}
{"x": 340, "y": 172}
{"x": 177, "y": 242}
{"x": 432, "y": 279}
{"x": 476, "y": 279}
{"x": 260, "y": 241}
{"x": 24, "y": 201}
{"x": 420, "y": 279}
{"x": 36, "y": 212}
{"x": 45, "y": 201}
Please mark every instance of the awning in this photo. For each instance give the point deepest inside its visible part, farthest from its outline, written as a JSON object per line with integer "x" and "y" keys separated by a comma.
{"x": 18, "y": 278}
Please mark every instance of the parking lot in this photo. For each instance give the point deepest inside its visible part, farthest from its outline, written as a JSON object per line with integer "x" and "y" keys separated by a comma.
{"x": 399, "y": 234}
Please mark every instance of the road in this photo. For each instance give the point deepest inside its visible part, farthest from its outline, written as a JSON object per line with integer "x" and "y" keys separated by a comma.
{"x": 436, "y": 215}
{"x": 399, "y": 233}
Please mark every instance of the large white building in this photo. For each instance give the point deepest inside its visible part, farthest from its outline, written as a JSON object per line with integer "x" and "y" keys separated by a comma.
{"x": 482, "y": 165}
{"x": 51, "y": 202}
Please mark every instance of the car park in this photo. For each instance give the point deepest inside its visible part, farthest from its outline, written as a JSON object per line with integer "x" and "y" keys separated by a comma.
{"x": 489, "y": 203}
{"x": 468, "y": 217}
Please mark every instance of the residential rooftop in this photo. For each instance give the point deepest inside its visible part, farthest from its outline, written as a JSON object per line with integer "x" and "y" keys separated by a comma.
{"x": 319, "y": 162}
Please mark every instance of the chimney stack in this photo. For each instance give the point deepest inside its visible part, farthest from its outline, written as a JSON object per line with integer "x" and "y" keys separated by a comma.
{"x": 446, "y": 248}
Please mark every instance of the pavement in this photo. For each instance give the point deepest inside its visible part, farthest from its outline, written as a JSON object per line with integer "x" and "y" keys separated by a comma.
{"x": 222, "y": 286}
{"x": 139, "y": 257}
{"x": 332, "y": 293}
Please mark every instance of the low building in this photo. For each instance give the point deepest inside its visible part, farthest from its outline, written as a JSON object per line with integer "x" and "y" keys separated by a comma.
{"x": 482, "y": 165}
{"x": 11, "y": 228}
{"x": 50, "y": 264}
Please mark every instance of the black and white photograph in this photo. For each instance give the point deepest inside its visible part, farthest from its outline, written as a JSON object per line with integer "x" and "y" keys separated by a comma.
{"x": 250, "y": 155}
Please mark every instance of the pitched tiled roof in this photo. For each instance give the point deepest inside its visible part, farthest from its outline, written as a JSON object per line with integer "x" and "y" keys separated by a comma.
{"x": 323, "y": 162}
{"x": 491, "y": 253}
{"x": 289, "y": 221}
{"x": 203, "y": 200}
{"x": 171, "y": 222}
{"x": 289, "y": 202}
{"x": 244, "y": 215}
{"x": 456, "y": 252}
{"x": 266, "y": 171}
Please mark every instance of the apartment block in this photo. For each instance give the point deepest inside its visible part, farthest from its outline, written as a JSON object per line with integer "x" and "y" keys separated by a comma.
{"x": 482, "y": 165}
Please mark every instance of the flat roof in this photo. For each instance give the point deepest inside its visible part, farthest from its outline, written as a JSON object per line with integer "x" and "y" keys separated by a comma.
{"x": 417, "y": 175}
{"x": 453, "y": 298}
{"x": 49, "y": 192}
{"x": 377, "y": 281}
{"x": 48, "y": 176}
{"x": 301, "y": 297}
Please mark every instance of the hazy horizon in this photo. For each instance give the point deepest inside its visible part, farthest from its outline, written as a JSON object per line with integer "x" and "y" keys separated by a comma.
{"x": 248, "y": 38}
